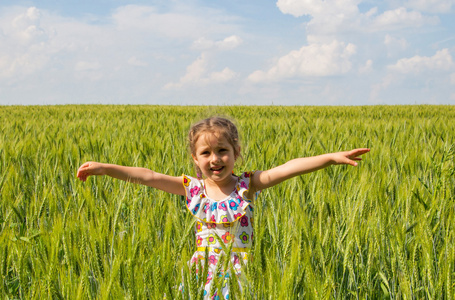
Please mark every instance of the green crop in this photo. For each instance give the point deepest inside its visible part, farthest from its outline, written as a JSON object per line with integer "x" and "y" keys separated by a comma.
{"x": 382, "y": 230}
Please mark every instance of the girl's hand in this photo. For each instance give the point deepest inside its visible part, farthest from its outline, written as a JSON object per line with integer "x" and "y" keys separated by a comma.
{"x": 88, "y": 169}
{"x": 348, "y": 157}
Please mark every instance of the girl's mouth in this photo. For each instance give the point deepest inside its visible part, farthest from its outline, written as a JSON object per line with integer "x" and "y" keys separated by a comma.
{"x": 216, "y": 169}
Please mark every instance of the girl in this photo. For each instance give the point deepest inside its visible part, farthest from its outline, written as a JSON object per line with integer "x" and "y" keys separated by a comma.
{"x": 221, "y": 201}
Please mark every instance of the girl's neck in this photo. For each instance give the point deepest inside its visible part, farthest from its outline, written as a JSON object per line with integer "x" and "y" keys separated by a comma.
{"x": 219, "y": 191}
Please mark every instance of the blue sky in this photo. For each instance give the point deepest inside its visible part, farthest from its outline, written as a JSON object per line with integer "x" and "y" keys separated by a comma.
{"x": 249, "y": 52}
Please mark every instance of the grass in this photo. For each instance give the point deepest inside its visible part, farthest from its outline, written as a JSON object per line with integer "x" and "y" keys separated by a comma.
{"x": 383, "y": 230}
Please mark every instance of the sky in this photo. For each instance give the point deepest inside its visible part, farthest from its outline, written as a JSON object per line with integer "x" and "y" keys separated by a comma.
{"x": 232, "y": 52}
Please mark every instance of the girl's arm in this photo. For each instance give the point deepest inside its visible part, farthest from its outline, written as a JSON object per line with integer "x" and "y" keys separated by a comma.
{"x": 265, "y": 179}
{"x": 170, "y": 184}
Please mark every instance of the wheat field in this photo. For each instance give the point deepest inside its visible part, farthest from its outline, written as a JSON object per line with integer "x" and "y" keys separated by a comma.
{"x": 382, "y": 230}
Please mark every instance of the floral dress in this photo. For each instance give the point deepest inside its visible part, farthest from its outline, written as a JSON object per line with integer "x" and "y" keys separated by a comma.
{"x": 228, "y": 221}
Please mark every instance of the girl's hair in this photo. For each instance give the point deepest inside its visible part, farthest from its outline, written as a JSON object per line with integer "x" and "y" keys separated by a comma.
{"x": 220, "y": 127}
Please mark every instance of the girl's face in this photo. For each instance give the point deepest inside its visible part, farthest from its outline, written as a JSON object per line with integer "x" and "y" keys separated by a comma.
{"x": 215, "y": 157}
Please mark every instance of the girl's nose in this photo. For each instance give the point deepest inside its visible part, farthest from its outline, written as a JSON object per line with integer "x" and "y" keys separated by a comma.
{"x": 215, "y": 158}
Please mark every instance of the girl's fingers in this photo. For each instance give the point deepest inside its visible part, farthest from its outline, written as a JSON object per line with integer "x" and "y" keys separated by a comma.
{"x": 357, "y": 152}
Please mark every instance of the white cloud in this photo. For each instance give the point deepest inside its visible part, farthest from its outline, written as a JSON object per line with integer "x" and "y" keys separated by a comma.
{"x": 170, "y": 25}
{"x": 330, "y": 17}
{"x": 401, "y": 18}
{"x": 394, "y": 45}
{"x": 327, "y": 16}
{"x": 197, "y": 74}
{"x": 431, "y": 6}
{"x": 228, "y": 43}
{"x": 313, "y": 60}
{"x": 87, "y": 66}
{"x": 134, "y": 61}
{"x": 441, "y": 61}
{"x": 367, "y": 67}
{"x": 393, "y": 41}
{"x": 299, "y": 8}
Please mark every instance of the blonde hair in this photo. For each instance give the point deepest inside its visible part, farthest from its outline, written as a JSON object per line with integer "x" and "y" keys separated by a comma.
{"x": 220, "y": 127}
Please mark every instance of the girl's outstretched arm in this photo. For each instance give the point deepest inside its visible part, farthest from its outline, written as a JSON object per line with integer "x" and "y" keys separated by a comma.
{"x": 265, "y": 179}
{"x": 170, "y": 184}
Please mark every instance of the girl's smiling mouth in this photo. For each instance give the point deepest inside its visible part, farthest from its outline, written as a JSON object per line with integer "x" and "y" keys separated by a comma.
{"x": 216, "y": 169}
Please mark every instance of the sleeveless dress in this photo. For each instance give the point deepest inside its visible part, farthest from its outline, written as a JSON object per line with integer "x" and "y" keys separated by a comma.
{"x": 220, "y": 221}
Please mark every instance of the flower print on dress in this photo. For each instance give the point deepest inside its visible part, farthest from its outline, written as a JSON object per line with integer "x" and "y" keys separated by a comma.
{"x": 211, "y": 240}
{"x": 240, "y": 201}
{"x": 206, "y": 207}
{"x": 244, "y": 237}
{"x": 194, "y": 191}
{"x": 236, "y": 259}
{"x": 209, "y": 277}
{"x": 186, "y": 181}
{"x": 244, "y": 221}
{"x": 196, "y": 208}
{"x": 243, "y": 185}
{"x": 222, "y": 206}
{"x": 217, "y": 219}
{"x": 198, "y": 258}
{"x": 198, "y": 227}
{"x": 224, "y": 219}
{"x": 212, "y": 259}
{"x": 233, "y": 205}
{"x": 227, "y": 237}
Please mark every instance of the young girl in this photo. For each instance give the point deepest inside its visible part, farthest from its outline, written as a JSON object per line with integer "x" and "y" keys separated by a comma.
{"x": 221, "y": 201}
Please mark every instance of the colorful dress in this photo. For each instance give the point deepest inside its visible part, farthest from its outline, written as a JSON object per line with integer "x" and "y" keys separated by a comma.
{"x": 228, "y": 221}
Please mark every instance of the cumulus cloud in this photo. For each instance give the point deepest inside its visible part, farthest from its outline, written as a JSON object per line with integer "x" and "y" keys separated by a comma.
{"x": 367, "y": 67}
{"x": 401, "y": 18}
{"x": 299, "y": 8}
{"x": 228, "y": 43}
{"x": 312, "y": 60}
{"x": 394, "y": 45}
{"x": 431, "y": 6}
{"x": 441, "y": 61}
{"x": 134, "y": 61}
{"x": 329, "y": 17}
{"x": 197, "y": 74}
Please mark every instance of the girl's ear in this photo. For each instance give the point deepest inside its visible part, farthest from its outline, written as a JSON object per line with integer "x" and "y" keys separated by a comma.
{"x": 237, "y": 155}
{"x": 195, "y": 160}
